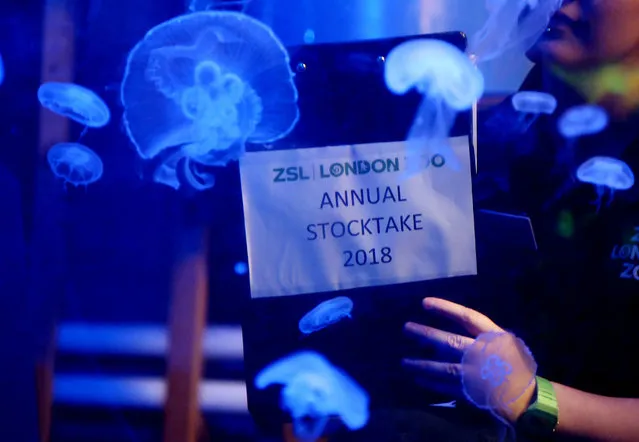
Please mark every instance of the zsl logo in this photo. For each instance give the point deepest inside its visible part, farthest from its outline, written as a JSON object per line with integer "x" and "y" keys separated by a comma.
{"x": 282, "y": 175}
{"x": 336, "y": 170}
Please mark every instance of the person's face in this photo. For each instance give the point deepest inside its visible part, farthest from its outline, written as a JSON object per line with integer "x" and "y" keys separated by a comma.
{"x": 588, "y": 33}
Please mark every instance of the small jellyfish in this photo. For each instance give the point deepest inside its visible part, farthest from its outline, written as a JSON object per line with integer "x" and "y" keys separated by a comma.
{"x": 325, "y": 314}
{"x": 512, "y": 23}
{"x": 607, "y": 174}
{"x": 75, "y": 163}
{"x": 309, "y": 36}
{"x": 530, "y": 102}
{"x": 208, "y": 83}
{"x": 530, "y": 105}
{"x": 497, "y": 369}
{"x": 315, "y": 390}
{"x": 576, "y": 122}
{"x": 240, "y": 268}
{"x": 75, "y": 102}
{"x": 583, "y": 120}
{"x": 449, "y": 82}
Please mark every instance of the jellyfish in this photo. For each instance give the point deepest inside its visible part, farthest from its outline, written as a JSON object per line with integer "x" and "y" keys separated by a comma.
{"x": 75, "y": 163}
{"x": 240, "y": 268}
{"x": 512, "y": 23}
{"x": 450, "y": 84}
{"x": 75, "y": 102}
{"x": 576, "y": 122}
{"x": 579, "y": 121}
{"x": 1, "y": 70}
{"x": 177, "y": 168}
{"x": 309, "y": 36}
{"x": 497, "y": 369}
{"x": 207, "y": 83}
{"x": 531, "y": 104}
{"x": 607, "y": 174}
{"x": 315, "y": 390}
{"x": 325, "y": 314}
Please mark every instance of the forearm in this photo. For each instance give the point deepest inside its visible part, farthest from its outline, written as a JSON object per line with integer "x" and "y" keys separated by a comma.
{"x": 596, "y": 418}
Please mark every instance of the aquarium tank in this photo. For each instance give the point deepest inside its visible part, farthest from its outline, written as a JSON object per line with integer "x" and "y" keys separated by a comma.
{"x": 318, "y": 220}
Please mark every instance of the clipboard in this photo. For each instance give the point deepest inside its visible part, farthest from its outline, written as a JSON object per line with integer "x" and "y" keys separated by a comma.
{"x": 343, "y": 100}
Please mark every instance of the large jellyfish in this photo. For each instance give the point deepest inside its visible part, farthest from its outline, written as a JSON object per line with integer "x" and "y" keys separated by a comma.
{"x": 206, "y": 83}
{"x": 497, "y": 369}
{"x": 531, "y": 104}
{"x": 326, "y": 313}
{"x": 606, "y": 173}
{"x": 315, "y": 390}
{"x": 449, "y": 82}
{"x": 75, "y": 102}
{"x": 75, "y": 163}
{"x": 512, "y": 23}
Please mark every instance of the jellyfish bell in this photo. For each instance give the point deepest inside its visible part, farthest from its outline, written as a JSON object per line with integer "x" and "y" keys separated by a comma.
{"x": 530, "y": 105}
{"x": 582, "y": 120}
{"x": 75, "y": 102}
{"x": 325, "y": 314}
{"x": 75, "y": 163}
{"x": 211, "y": 81}
{"x": 606, "y": 173}
{"x": 435, "y": 68}
{"x": 312, "y": 385}
{"x": 532, "y": 102}
{"x": 497, "y": 369}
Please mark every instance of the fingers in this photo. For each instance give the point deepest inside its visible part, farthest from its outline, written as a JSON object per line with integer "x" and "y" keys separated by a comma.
{"x": 443, "y": 340}
{"x": 473, "y": 322}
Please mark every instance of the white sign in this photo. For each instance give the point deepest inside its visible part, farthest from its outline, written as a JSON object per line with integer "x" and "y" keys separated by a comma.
{"x": 342, "y": 217}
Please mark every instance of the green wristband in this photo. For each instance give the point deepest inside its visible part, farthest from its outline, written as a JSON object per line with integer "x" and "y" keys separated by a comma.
{"x": 542, "y": 416}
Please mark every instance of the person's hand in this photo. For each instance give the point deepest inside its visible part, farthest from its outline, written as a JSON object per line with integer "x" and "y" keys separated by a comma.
{"x": 444, "y": 375}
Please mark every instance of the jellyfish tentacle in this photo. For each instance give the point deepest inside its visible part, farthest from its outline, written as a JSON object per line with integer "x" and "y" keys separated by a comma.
{"x": 198, "y": 181}
{"x": 314, "y": 387}
{"x": 429, "y": 135}
{"x": 611, "y": 194}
